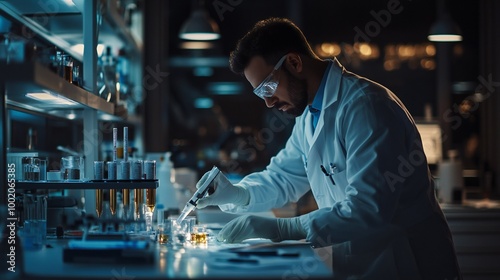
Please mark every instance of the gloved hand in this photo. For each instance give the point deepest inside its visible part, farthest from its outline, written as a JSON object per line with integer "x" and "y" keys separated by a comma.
{"x": 276, "y": 229}
{"x": 224, "y": 193}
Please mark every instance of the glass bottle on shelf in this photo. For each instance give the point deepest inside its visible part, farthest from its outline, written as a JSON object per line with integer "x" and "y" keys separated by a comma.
{"x": 76, "y": 75}
{"x": 122, "y": 73}
{"x": 106, "y": 81}
{"x": 67, "y": 66}
{"x": 64, "y": 64}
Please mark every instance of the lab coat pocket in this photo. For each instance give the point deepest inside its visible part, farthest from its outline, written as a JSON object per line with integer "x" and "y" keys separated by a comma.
{"x": 337, "y": 187}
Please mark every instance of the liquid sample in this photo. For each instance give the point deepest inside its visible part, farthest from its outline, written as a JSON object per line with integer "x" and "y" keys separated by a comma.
{"x": 163, "y": 238}
{"x": 98, "y": 202}
{"x": 151, "y": 199}
{"x": 112, "y": 201}
{"x": 199, "y": 237}
{"x": 138, "y": 200}
{"x": 126, "y": 197}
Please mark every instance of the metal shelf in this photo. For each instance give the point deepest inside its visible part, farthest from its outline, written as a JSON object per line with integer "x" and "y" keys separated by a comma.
{"x": 90, "y": 185}
{"x": 61, "y": 23}
{"x": 34, "y": 77}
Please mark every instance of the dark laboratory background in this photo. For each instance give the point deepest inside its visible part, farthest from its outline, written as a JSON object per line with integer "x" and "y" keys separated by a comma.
{"x": 236, "y": 127}
{"x": 205, "y": 114}
{"x": 179, "y": 99}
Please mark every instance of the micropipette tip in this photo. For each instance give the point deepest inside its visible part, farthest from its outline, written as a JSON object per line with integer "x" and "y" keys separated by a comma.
{"x": 184, "y": 213}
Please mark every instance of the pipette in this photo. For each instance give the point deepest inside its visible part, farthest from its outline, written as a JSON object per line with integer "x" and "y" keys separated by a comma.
{"x": 200, "y": 193}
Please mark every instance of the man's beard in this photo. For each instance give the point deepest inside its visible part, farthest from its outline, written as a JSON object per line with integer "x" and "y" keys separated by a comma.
{"x": 297, "y": 90}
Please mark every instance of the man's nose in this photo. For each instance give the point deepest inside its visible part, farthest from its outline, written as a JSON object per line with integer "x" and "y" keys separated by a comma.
{"x": 270, "y": 101}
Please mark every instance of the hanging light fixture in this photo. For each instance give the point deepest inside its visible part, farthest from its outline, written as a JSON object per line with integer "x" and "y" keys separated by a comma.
{"x": 445, "y": 30}
{"x": 199, "y": 26}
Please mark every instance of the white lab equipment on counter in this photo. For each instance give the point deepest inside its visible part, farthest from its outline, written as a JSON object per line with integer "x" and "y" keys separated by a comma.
{"x": 166, "y": 194}
{"x": 451, "y": 181}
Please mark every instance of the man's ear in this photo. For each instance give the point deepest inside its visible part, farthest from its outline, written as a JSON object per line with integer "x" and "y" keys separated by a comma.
{"x": 294, "y": 62}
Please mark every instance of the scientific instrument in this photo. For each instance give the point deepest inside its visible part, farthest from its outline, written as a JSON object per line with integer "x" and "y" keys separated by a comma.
{"x": 200, "y": 193}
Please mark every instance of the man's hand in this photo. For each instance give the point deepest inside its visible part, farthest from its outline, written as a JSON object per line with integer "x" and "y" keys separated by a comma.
{"x": 276, "y": 229}
{"x": 224, "y": 193}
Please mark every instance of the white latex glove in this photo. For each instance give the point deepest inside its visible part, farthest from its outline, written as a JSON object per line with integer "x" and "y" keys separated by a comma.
{"x": 224, "y": 193}
{"x": 276, "y": 229}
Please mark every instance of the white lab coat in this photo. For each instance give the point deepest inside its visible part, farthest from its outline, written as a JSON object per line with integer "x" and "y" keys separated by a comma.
{"x": 380, "y": 214}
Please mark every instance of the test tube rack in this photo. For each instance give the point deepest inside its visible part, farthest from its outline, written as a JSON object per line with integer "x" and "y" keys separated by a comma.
{"x": 92, "y": 184}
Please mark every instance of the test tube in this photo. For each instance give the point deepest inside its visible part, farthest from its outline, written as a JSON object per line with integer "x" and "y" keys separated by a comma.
{"x": 112, "y": 165}
{"x": 161, "y": 227}
{"x": 112, "y": 201}
{"x": 151, "y": 199}
{"x": 126, "y": 201}
{"x": 98, "y": 175}
{"x": 148, "y": 216}
{"x": 125, "y": 143}
{"x": 136, "y": 174}
{"x": 124, "y": 174}
{"x": 160, "y": 214}
{"x": 98, "y": 202}
{"x": 115, "y": 136}
{"x": 150, "y": 174}
{"x": 138, "y": 201}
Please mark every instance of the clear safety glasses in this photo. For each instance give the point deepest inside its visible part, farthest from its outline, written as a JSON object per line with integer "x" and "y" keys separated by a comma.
{"x": 268, "y": 87}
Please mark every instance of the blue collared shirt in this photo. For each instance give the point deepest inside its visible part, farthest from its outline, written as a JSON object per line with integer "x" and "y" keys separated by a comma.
{"x": 317, "y": 104}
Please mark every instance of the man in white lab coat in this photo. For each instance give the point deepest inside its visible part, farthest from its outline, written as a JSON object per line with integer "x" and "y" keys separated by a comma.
{"x": 355, "y": 145}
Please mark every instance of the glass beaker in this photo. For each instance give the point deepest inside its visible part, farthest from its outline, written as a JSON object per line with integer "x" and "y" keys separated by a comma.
{"x": 164, "y": 231}
{"x": 72, "y": 168}
{"x": 199, "y": 234}
{"x": 34, "y": 169}
{"x": 31, "y": 172}
{"x": 41, "y": 164}
{"x": 35, "y": 220}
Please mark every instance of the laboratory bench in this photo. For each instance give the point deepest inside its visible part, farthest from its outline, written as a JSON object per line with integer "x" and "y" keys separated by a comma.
{"x": 475, "y": 226}
{"x": 252, "y": 259}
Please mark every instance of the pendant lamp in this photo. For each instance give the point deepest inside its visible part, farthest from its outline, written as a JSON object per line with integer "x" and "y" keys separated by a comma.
{"x": 199, "y": 26}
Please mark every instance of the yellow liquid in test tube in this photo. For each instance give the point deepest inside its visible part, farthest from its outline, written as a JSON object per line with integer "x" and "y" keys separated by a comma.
{"x": 138, "y": 200}
{"x": 151, "y": 199}
{"x": 126, "y": 197}
{"x": 112, "y": 201}
{"x": 98, "y": 202}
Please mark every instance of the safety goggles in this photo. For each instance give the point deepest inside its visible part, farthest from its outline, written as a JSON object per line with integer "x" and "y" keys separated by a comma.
{"x": 268, "y": 87}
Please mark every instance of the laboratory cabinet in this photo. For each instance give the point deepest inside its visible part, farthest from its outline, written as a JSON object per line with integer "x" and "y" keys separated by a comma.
{"x": 476, "y": 234}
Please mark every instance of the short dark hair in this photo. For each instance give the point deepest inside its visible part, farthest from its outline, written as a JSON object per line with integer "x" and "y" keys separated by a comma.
{"x": 270, "y": 38}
